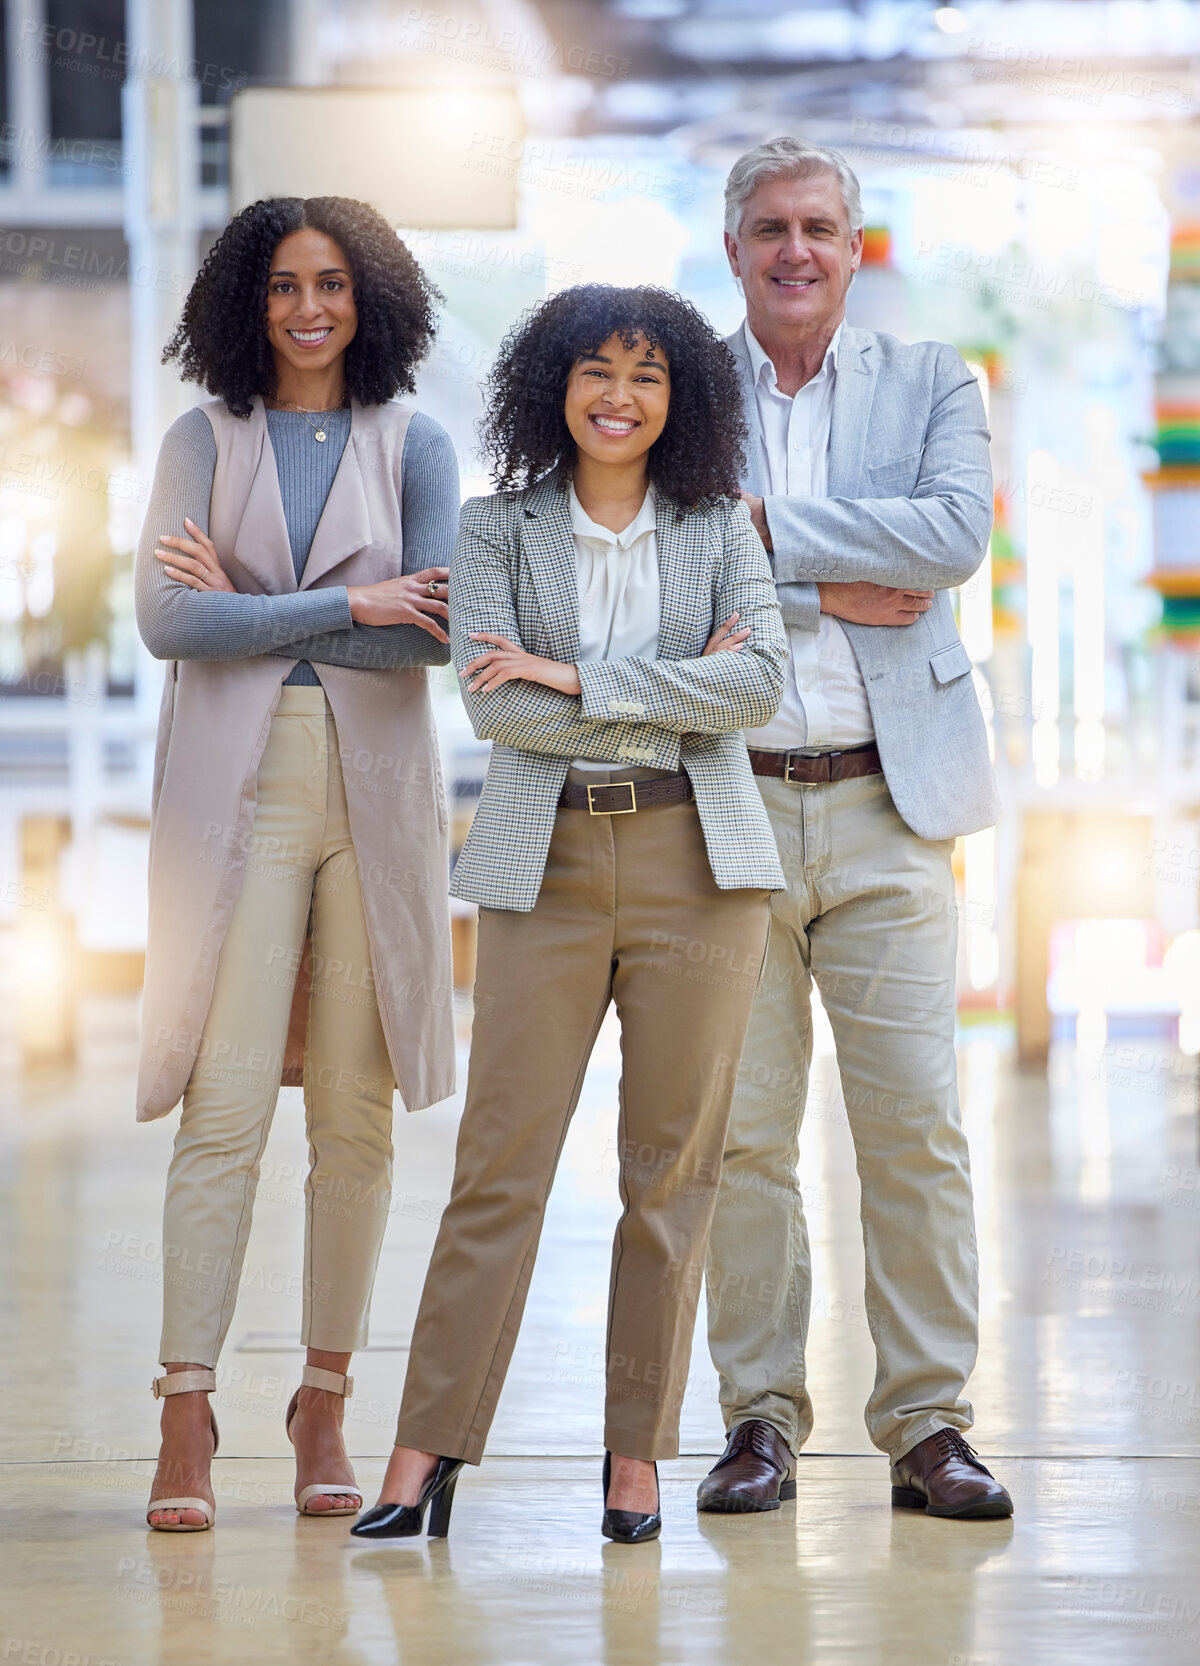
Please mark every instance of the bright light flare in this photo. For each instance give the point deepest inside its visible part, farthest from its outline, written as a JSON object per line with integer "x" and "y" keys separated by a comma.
{"x": 950, "y": 20}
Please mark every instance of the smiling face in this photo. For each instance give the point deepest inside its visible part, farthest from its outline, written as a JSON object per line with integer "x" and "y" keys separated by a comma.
{"x": 617, "y": 400}
{"x": 795, "y": 254}
{"x": 311, "y": 315}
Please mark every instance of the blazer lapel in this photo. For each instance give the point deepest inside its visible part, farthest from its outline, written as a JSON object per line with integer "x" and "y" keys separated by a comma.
{"x": 261, "y": 545}
{"x": 754, "y": 478}
{"x": 548, "y": 549}
{"x": 345, "y": 524}
{"x": 684, "y": 580}
{"x": 853, "y": 393}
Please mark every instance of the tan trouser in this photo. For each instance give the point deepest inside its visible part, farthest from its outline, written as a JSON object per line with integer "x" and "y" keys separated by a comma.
{"x": 628, "y": 912}
{"x": 301, "y": 858}
{"x": 869, "y": 913}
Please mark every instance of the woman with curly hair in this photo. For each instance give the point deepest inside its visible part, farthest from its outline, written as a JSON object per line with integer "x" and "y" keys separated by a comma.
{"x": 293, "y": 569}
{"x": 614, "y": 623}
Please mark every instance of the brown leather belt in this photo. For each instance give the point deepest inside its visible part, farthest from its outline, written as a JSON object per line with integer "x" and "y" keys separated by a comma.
{"x": 622, "y": 798}
{"x": 807, "y": 769}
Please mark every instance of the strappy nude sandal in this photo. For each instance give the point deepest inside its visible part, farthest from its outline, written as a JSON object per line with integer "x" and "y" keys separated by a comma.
{"x": 185, "y": 1382}
{"x": 334, "y": 1383}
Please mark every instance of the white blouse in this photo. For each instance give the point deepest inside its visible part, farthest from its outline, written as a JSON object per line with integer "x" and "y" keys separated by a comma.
{"x": 617, "y": 574}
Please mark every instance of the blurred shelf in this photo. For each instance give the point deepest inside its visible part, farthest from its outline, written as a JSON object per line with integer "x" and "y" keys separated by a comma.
{"x": 1175, "y": 581}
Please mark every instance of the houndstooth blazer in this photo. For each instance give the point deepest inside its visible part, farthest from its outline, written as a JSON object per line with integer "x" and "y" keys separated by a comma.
{"x": 513, "y": 574}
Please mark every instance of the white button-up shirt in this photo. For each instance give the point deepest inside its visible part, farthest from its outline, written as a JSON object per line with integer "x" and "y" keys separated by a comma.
{"x": 824, "y": 698}
{"x": 617, "y": 574}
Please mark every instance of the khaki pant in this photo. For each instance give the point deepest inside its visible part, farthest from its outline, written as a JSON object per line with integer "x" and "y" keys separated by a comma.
{"x": 301, "y": 859}
{"x": 869, "y": 913}
{"x": 628, "y": 912}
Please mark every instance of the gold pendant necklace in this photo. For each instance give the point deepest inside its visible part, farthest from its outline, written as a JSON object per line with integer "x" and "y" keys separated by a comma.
{"x": 318, "y": 429}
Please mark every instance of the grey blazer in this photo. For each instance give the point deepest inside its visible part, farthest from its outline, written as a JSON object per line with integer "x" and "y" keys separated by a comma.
{"x": 909, "y": 504}
{"x": 513, "y": 574}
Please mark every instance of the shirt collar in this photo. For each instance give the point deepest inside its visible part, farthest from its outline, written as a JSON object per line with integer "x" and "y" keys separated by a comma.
{"x": 760, "y": 364}
{"x": 583, "y": 526}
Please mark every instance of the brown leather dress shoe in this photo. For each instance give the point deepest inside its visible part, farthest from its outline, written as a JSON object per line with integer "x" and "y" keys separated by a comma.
{"x": 756, "y": 1471}
{"x": 942, "y": 1476}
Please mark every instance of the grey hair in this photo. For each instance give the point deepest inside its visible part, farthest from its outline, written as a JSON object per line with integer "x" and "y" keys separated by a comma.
{"x": 788, "y": 158}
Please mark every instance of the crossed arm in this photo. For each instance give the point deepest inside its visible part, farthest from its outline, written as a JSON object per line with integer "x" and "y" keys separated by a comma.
{"x": 179, "y": 622}
{"x": 400, "y": 624}
{"x": 933, "y": 540}
{"x": 188, "y": 609}
{"x": 629, "y": 710}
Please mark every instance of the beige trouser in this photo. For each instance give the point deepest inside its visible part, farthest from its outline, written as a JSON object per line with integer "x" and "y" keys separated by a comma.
{"x": 869, "y": 913}
{"x": 300, "y": 859}
{"x": 628, "y": 912}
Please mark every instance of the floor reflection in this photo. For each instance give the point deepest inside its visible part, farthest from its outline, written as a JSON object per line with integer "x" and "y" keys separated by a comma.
{"x": 1087, "y": 1396}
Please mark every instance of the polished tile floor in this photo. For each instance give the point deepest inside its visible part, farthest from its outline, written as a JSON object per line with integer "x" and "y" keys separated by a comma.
{"x": 1087, "y": 1398}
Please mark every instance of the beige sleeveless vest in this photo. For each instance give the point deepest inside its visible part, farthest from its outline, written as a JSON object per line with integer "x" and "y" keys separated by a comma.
{"x": 213, "y": 728}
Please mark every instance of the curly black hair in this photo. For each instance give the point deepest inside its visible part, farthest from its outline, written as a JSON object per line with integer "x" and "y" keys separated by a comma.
{"x": 697, "y": 458}
{"x": 221, "y": 340}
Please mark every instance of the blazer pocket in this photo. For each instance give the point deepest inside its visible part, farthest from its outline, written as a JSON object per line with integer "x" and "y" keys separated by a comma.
{"x": 950, "y": 663}
{"x": 896, "y": 477}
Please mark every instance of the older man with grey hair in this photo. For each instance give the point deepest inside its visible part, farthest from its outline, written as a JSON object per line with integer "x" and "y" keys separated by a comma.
{"x": 869, "y": 482}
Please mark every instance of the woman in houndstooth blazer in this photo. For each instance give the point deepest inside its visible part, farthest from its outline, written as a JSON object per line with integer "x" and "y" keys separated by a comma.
{"x": 614, "y": 622}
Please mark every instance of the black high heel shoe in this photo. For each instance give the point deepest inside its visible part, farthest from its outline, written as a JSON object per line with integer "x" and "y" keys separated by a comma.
{"x": 404, "y": 1521}
{"x": 624, "y": 1527}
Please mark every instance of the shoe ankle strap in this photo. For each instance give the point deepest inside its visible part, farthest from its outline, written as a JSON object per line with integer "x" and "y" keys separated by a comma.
{"x": 332, "y": 1381}
{"x": 183, "y": 1382}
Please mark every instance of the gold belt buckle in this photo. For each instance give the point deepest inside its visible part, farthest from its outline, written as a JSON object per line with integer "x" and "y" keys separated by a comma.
{"x": 610, "y": 786}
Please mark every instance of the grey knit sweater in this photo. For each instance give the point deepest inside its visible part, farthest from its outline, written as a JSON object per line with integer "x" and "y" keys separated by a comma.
{"x": 177, "y": 622}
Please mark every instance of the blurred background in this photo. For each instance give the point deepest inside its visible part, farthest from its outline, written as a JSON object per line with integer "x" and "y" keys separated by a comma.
{"x": 1031, "y": 178}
